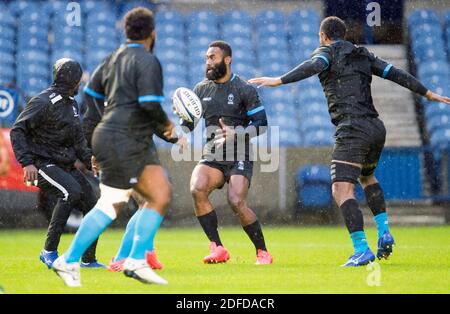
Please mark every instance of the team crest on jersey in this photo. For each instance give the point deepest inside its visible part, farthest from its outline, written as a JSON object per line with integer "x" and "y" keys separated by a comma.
{"x": 231, "y": 99}
{"x": 241, "y": 165}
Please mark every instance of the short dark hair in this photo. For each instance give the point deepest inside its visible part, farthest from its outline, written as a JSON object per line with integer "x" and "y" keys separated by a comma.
{"x": 333, "y": 27}
{"x": 139, "y": 23}
{"x": 224, "y": 46}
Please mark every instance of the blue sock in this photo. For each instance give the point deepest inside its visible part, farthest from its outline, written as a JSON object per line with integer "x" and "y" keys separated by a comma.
{"x": 382, "y": 223}
{"x": 127, "y": 240}
{"x": 93, "y": 224}
{"x": 146, "y": 226}
{"x": 359, "y": 241}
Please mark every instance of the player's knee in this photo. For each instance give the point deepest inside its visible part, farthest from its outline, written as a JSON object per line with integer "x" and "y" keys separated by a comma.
{"x": 368, "y": 180}
{"x": 236, "y": 202}
{"x": 163, "y": 198}
{"x": 342, "y": 191}
{"x": 110, "y": 198}
{"x": 73, "y": 193}
{"x": 199, "y": 190}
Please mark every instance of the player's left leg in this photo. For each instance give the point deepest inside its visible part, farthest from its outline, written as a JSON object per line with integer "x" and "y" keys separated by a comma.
{"x": 374, "y": 192}
{"x": 375, "y": 201}
{"x": 155, "y": 187}
{"x": 237, "y": 198}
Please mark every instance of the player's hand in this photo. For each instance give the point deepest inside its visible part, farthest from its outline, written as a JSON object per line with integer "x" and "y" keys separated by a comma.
{"x": 80, "y": 166}
{"x": 224, "y": 134}
{"x": 30, "y": 175}
{"x": 266, "y": 81}
{"x": 436, "y": 97}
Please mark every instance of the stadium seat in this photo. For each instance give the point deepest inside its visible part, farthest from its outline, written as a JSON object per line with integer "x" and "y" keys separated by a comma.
{"x": 315, "y": 122}
{"x": 17, "y": 7}
{"x": 440, "y": 138}
{"x": 318, "y": 137}
{"x": 7, "y": 45}
{"x": 6, "y": 19}
{"x": 237, "y": 17}
{"x": 88, "y": 6}
{"x": 438, "y": 122}
{"x": 426, "y": 69}
{"x": 314, "y": 186}
{"x": 168, "y": 16}
{"x": 304, "y": 22}
{"x": 171, "y": 30}
{"x": 423, "y": 15}
{"x": 7, "y": 32}
{"x": 265, "y": 17}
{"x": 203, "y": 16}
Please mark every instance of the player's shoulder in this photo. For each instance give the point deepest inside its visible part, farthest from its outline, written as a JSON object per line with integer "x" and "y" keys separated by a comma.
{"x": 44, "y": 98}
{"x": 243, "y": 85}
{"x": 327, "y": 50}
{"x": 203, "y": 85}
{"x": 145, "y": 58}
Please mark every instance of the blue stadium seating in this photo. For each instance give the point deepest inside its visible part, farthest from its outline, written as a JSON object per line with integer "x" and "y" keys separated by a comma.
{"x": 430, "y": 54}
{"x": 314, "y": 186}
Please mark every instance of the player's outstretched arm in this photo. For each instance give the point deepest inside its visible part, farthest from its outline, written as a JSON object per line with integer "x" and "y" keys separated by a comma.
{"x": 408, "y": 81}
{"x": 302, "y": 71}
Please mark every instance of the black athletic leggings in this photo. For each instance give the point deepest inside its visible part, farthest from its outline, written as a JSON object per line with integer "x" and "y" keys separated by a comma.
{"x": 65, "y": 190}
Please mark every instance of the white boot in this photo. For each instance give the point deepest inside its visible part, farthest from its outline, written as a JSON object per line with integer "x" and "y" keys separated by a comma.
{"x": 140, "y": 270}
{"x": 68, "y": 272}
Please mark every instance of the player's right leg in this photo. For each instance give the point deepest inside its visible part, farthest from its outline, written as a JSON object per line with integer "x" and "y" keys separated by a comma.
{"x": 92, "y": 225}
{"x": 155, "y": 187}
{"x": 55, "y": 180}
{"x": 344, "y": 177}
{"x": 204, "y": 180}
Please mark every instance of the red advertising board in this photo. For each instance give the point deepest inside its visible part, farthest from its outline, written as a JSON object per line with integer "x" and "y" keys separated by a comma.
{"x": 14, "y": 179}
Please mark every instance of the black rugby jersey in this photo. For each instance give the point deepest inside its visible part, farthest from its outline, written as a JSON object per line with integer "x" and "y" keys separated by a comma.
{"x": 235, "y": 101}
{"x": 128, "y": 80}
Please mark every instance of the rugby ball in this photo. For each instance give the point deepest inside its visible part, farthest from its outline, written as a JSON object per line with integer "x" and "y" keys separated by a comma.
{"x": 187, "y": 104}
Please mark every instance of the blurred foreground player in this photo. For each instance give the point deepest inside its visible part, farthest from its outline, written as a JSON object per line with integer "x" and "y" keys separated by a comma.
{"x": 345, "y": 72}
{"x": 233, "y": 112}
{"x": 48, "y": 142}
{"x": 132, "y": 84}
{"x": 95, "y": 107}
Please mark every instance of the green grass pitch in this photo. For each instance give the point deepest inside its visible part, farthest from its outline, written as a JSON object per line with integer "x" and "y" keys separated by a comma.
{"x": 306, "y": 260}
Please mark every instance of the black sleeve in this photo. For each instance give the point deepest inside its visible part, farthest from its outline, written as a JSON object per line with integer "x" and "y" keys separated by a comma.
{"x": 83, "y": 153}
{"x": 320, "y": 61}
{"x": 150, "y": 94}
{"x": 92, "y": 117}
{"x": 255, "y": 112}
{"x": 95, "y": 86}
{"x": 406, "y": 80}
{"x": 386, "y": 70}
{"x": 29, "y": 119}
